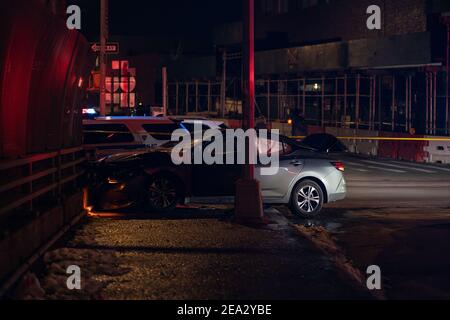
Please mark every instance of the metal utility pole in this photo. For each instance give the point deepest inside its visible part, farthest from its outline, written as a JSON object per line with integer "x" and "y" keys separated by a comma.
{"x": 103, "y": 40}
{"x": 446, "y": 21}
{"x": 249, "y": 65}
{"x": 164, "y": 90}
{"x": 447, "y": 58}
{"x": 223, "y": 88}
{"x": 248, "y": 201}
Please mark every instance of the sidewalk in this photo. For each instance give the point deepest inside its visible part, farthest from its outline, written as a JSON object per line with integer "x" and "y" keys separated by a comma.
{"x": 188, "y": 257}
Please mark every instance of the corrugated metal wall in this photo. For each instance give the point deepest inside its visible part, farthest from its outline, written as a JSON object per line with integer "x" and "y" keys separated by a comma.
{"x": 42, "y": 63}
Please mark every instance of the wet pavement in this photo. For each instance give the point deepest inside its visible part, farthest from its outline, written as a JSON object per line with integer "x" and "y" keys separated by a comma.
{"x": 399, "y": 221}
{"x": 410, "y": 246}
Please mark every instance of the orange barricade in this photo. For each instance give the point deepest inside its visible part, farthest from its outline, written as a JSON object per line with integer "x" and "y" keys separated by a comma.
{"x": 388, "y": 148}
{"x": 411, "y": 150}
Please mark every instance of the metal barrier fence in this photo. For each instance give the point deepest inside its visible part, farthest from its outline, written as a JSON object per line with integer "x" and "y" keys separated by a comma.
{"x": 30, "y": 184}
{"x": 408, "y": 101}
{"x": 40, "y": 199}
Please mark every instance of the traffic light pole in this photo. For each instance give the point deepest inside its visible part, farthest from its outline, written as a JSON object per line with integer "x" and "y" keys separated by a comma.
{"x": 248, "y": 201}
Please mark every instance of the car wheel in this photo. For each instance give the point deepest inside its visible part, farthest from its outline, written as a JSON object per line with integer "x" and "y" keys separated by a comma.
{"x": 163, "y": 193}
{"x": 307, "y": 199}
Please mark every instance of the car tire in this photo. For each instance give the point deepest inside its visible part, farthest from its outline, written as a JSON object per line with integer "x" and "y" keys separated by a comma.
{"x": 307, "y": 199}
{"x": 162, "y": 193}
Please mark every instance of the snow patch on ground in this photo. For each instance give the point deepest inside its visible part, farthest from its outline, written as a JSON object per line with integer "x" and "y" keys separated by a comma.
{"x": 52, "y": 284}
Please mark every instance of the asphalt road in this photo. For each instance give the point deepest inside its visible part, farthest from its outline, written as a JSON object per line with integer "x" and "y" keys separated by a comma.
{"x": 384, "y": 182}
{"x": 396, "y": 216}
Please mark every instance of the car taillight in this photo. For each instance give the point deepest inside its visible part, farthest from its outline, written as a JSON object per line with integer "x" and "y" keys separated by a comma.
{"x": 339, "y": 165}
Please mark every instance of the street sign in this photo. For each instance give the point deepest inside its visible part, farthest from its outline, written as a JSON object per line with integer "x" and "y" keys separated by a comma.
{"x": 111, "y": 48}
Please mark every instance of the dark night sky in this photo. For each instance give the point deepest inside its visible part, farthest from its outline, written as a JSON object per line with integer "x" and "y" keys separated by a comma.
{"x": 190, "y": 20}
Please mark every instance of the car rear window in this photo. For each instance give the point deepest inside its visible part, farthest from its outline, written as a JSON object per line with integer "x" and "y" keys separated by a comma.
{"x": 106, "y": 133}
{"x": 161, "y": 131}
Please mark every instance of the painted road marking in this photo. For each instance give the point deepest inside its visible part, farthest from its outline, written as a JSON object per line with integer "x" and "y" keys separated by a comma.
{"x": 398, "y": 166}
{"x": 356, "y": 169}
{"x": 386, "y": 169}
{"x": 427, "y": 166}
{"x": 372, "y": 167}
{"x": 355, "y": 164}
{"x": 360, "y": 170}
